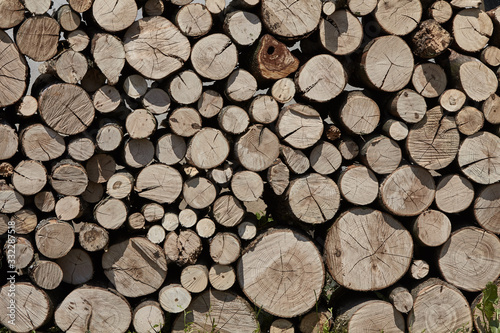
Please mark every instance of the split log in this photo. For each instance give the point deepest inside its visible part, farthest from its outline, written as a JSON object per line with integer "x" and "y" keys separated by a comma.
{"x": 387, "y": 62}
{"x": 358, "y": 185}
{"x": 401, "y": 299}
{"x": 381, "y": 154}
{"x": 54, "y": 238}
{"x": 214, "y": 57}
{"x": 452, "y": 100}
{"x": 408, "y": 105}
{"x": 325, "y": 158}
{"x": 278, "y": 176}
{"x": 208, "y": 148}
{"x": 205, "y": 228}
{"x": 454, "y": 194}
{"x": 432, "y": 228}
{"x": 429, "y": 79}
{"x": 430, "y": 40}
{"x": 81, "y": 148}
{"x": 69, "y": 208}
{"x": 398, "y": 18}
{"x": 194, "y": 278}
{"x": 45, "y": 201}
{"x": 419, "y": 269}
{"x": 359, "y": 114}
{"x": 222, "y": 277}
{"x": 294, "y": 257}
{"x": 159, "y": 183}
{"x": 318, "y": 85}
{"x": 10, "y": 141}
{"x": 174, "y": 298}
{"x": 349, "y": 261}
{"x": 258, "y": 148}
{"x": 441, "y": 11}
{"x": 29, "y": 177}
{"x": 69, "y": 178}
{"x": 110, "y": 213}
{"x": 438, "y": 307}
{"x": 228, "y": 211}
{"x": 243, "y": 27}
{"x": 136, "y": 267}
{"x": 193, "y": 20}
{"x": 264, "y": 109}
{"x": 13, "y": 69}
{"x": 291, "y": 22}
{"x": 37, "y": 37}
{"x": 225, "y": 248}
{"x": 67, "y": 18}
{"x": 340, "y": 33}
{"x": 109, "y": 55}
{"x": 33, "y": 307}
{"x": 185, "y": 87}
{"x": 12, "y": 12}
{"x": 491, "y": 109}
{"x": 299, "y": 125}
{"x": 187, "y": 218}
{"x": 210, "y": 103}
{"x": 214, "y": 304}
{"x": 467, "y": 259}
{"x": 486, "y": 208}
{"x": 24, "y": 252}
{"x": 233, "y": 120}
{"x": 93, "y": 237}
{"x": 100, "y": 168}
{"x": 296, "y": 160}
{"x": 182, "y": 248}
{"x": 91, "y": 308}
{"x": 472, "y": 29}
{"x": 283, "y": 90}
{"x": 199, "y": 192}
{"x": 407, "y": 191}
{"x": 46, "y": 274}
{"x": 434, "y": 141}
{"x": 148, "y": 317}
{"x": 478, "y": 157}
{"x": 469, "y": 120}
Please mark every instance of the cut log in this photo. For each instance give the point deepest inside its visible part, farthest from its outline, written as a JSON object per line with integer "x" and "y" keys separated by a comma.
{"x": 167, "y": 54}
{"x": 159, "y": 183}
{"x": 67, "y": 18}
{"x": 77, "y": 267}
{"x": 27, "y": 106}
{"x": 81, "y": 148}
{"x": 359, "y": 114}
{"x": 182, "y": 248}
{"x": 387, "y": 62}
{"x": 401, "y": 299}
{"x": 13, "y": 69}
{"x": 438, "y": 307}
{"x": 100, "y": 168}
{"x": 318, "y": 85}
{"x": 341, "y": 33}
{"x": 434, "y": 141}
{"x": 29, "y": 177}
{"x": 199, "y": 192}
{"x": 283, "y": 90}
{"x": 170, "y": 149}
{"x": 407, "y": 191}
{"x": 491, "y": 109}
{"x": 185, "y": 87}
{"x": 293, "y": 258}
{"x": 282, "y": 325}
{"x": 228, "y": 211}
{"x": 454, "y": 194}
{"x": 106, "y": 99}
{"x": 193, "y": 20}
{"x": 257, "y": 149}
{"x": 156, "y": 234}
{"x": 432, "y": 228}
{"x": 23, "y": 254}
{"x": 78, "y": 40}
{"x": 429, "y": 79}
{"x": 247, "y": 186}
{"x": 240, "y": 86}
{"x": 156, "y": 101}
{"x": 185, "y": 121}
{"x": 452, "y": 100}
{"x": 37, "y": 37}
{"x": 45, "y": 201}
{"x": 69, "y": 178}
{"x": 66, "y": 108}
{"x": 325, "y": 158}
{"x": 93, "y": 193}
{"x": 299, "y": 125}
{"x": 358, "y": 185}
{"x": 10, "y": 141}
{"x": 243, "y": 27}
{"x": 136, "y": 221}
{"x": 395, "y": 129}
{"x": 93, "y": 237}
{"x": 214, "y": 57}
{"x": 296, "y": 160}
{"x": 25, "y": 221}
{"x": 215, "y": 6}
{"x": 80, "y": 6}
{"x": 110, "y": 213}
{"x": 430, "y": 40}
{"x": 135, "y": 86}
{"x": 120, "y": 185}
{"x": 291, "y": 22}
{"x": 54, "y": 238}
{"x": 441, "y": 11}
{"x": 92, "y": 309}
{"x": 486, "y": 208}
{"x": 109, "y": 55}
{"x": 210, "y": 103}
{"x": 467, "y": 259}
{"x": 472, "y": 29}
{"x": 188, "y": 218}
{"x": 247, "y": 230}
{"x": 233, "y": 120}
{"x": 148, "y": 317}
{"x": 465, "y": 3}
{"x": 208, "y": 148}
{"x": 71, "y": 66}
{"x": 109, "y": 136}
{"x": 12, "y": 12}
{"x": 360, "y": 234}
{"x": 469, "y": 120}
{"x": 174, "y": 298}
{"x": 222, "y": 174}
{"x": 136, "y": 267}
{"x": 398, "y": 18}
{"x": 10, "y": 200}
{"x": 194, "y": 278}
{"x": 278, "y": 176}
{"x": 114, "y": 17}
{"x": 205, "y": 228}
{"x": 264, "y": 109}
{"x": 33, "y": 307}
{"x": 381, "y": 154}
{"x": 315, "y": 321}
{"x": 479, "y": 156}
{"x": 419, "y": 269}
{"x": 222, "y": 277}
{"x": 408, "y": 105}
{"x": 69, "y": 208}
{"x": 490, "y": 55}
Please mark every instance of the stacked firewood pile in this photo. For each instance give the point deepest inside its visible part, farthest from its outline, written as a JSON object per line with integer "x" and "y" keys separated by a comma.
{"x": 132, "y": 165}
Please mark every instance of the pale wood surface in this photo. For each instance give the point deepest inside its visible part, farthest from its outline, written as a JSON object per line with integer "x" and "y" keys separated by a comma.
{"x": 454, "y": 193}
{"x": 341, "y": 33}
{"x": 478, "y": 157}
{"x": 432, "y": 228}
{"x": 13, "y": 71}
{"x": 37, "y": 37}
{"x": 174, "y": 298}
{"x": 77, "y": 267}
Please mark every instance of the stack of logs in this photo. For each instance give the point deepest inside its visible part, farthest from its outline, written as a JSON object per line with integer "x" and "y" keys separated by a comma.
{"x": 135, "y": 167}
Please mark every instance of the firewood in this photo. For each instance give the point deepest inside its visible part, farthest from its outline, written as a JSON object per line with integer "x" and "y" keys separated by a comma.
{"x": 478, "y": 156}
{"x": 110, "y": 213}
{"x": 27, "y": 106}
{"x": 430, "y": 40}
{"x": 441, "y": 11}
{"x": 278, "y": 176}
{"x": 454, "y": 194}
{"x": 257, "y": 149}
{"x": 472, "y": 29}
{"x": 469, "y": 120}
{"x": 210, "y": 103}
{"x": 46, "y": 274}
{"x": 135, "y": 86}
{"x": 194, "y": 278}
{"x": 208, "y": 148}
{"x": 408, "y": 105}
{"x": 136, "y": 221}
{"x": 159, "y": 183}
{"x": 315, "y": 321}
{"x": 299, "y": 125}
{"x": 281, "y": 325}
{"x": 93, "y": 237}
{"x": 25, "y": 221}
{"x": 419, "y": 269}
{"x": 381, "y": 154}
{"x": 395, "y": 129}
{"x": 24, "y": 252}
{"x": 452, "y": 100}
{"x": 205, "y": 228}
{"x": 429, "y": 80}
{"x": 93, "y": 193}
{"x": 106, "y": 99}
{"x": 81, "y": 148}
{"x": 358, "y": 185}
{"x": 214, "y": 57}
{"x": 69, "y": 208}
{"x": 465, "y": 3}
{"x": 432, "y": 228}
{"x": 243, "y": 27}
{"x": 80, "y": 6}
{"x": 31, "y": 301}
{"x": 100, "y": 168}
{"x": 215, "y": 6}
{"x": 491, "y": 109}
{"x": 37, "y": 37}
{"x": 222, "y": 174}
{"x": 485, "y": 208}
{"x": 12, "y": 12}
{"x": 233, "y": 120}
{"x": 228, "y": 211}
{"x": 240, "y": 86}
{"x": 148, "y": 315}
{"x": 152, "y": 212}
{"x": 359, "y": 114}
{"x": 185, "y": 87}
{"x": 29, "y": 177}
{"x": 174, "y": 298}
{"x": 170, "y": 149}
{"x": 247, "y": 186}
{"x": 156, "y": 234}
{"x": 325, "y": 158}
{"x": 68, "y": 178}
{"x": 199, "y": 192}
{"x": 187, "y": 218}
{"x": 222, "y": 277}
{"x": 182, "y": 248}
{"x": 13, "y": 71}
{"x": 136, "y": 267}
{"x": 401, "y": 299}
{"x": 247, "y": 230}
{"x": 347, "y": 259}
{"x": 272, "y": 60}
{"x": 264, "y": 109}
{"x": 283, "y": 90}
{"x": 140, "y": 124}
{"x": 194, "y": 20}
{"x": 329, "y": 7}
{"x": 398, "y": 18}
{"x": 67, "y": 18}
{"x": 490, "y": 55}
{"x": 109, "y": 136}
{"x": 109, "y": 55}
{"x": 78, "y": 40}
{"x": 11, "y": 201}
{"x": 295, "y": 159}
{"x": 341, "y": 33}
{"x": 156, "y": 101}
{"x": 137, "y": 153}
{"x": 44, "y": 201}
{"x": 294, "y": 256}
{"x": 431, "y": 298}
{"x": 120, "y": 185}
{"x": 49, "y": 229}
{"x": 93, "y": 308}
